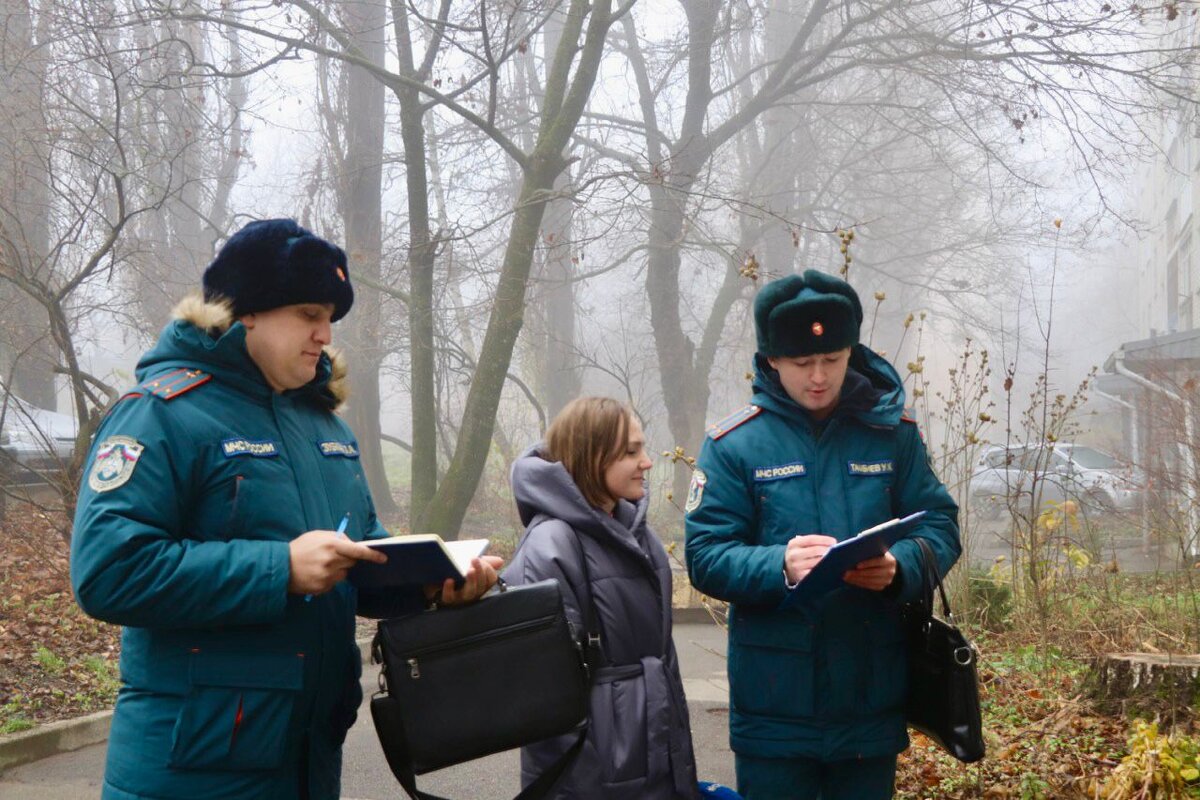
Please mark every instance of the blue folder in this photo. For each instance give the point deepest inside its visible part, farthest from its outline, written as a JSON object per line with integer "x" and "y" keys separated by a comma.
{"x": 847, "y": 554}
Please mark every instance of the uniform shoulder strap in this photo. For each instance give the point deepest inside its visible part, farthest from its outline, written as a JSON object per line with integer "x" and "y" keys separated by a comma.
{"x": 742, "y": 415}
{"x": 910, "y": 417}
{"x": 172, "y": 384}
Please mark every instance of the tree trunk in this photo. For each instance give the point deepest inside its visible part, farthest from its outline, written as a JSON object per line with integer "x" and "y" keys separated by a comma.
{"x": 420, "y": 265}
{"x": 776, "y": 169}
{"x": 685, "y": 390}
{"x": 362, "y": 210}
{"x": 564, "y": 103}
{"x": 24, "y": 193}
{"x": 561, "y": 361}
{"x": 475, "y": 435}
{"x": 1145, "y": 682}
{"x": 173, "y": 245}
{"x": 685, "y": 397}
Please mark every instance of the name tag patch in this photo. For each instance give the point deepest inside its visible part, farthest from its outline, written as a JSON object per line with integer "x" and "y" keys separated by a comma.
{"x": 249, "y": 447}
{"x": 339, "y": 449}
{"x": 871, "y": 467}
{"x": 779, "y": 473}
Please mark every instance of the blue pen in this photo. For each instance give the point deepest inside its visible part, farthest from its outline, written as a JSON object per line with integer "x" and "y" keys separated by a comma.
{"x": 341, "y": 531}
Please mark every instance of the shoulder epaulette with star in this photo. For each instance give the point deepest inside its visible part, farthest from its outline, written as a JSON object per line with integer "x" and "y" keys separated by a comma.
{"x": 908, "y": 416}
{"x": 170, "y": 385}
{"x": 733, "y": 420}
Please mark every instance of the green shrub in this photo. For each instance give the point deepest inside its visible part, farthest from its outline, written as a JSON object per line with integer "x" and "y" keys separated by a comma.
{"x": 989, "y": 598}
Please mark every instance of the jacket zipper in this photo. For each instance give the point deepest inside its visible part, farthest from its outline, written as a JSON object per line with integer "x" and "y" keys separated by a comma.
{"x": 413, "y": 659}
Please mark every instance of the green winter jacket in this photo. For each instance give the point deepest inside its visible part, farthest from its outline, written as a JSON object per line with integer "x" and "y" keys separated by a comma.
{"x": 823, "y": 680}
{"x": 196, "y": 482}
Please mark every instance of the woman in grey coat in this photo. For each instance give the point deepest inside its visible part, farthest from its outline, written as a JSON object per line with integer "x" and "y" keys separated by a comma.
{"x": 582, "y": 497}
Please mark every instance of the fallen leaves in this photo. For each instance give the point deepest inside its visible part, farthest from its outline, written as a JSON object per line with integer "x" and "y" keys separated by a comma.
{"x": 55, "y": 661}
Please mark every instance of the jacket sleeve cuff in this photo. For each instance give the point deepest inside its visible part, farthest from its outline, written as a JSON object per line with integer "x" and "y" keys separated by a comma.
{"x": 270, "y": 600}
{"x": 909, "y": 583}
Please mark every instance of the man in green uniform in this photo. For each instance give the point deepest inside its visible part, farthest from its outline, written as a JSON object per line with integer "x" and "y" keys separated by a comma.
{"x": 817, "y": 685}
{"x": 205, "y": 526}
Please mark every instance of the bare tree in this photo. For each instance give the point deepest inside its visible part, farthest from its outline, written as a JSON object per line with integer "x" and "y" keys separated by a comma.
{"x": 354, "y": 130}
{"x": 487, "y": 34}
{"x": 94, "y": 173}
{"x": 993, "y": 68}
{"x": 194, "y": 103}
{"x": 24, "y": 187}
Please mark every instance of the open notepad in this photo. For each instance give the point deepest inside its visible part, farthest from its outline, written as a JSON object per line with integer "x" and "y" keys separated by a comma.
{"x": 417, "y": 560}
{"x": 849, "y": 553}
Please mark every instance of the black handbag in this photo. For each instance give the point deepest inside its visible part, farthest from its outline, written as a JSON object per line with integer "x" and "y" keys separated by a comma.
{"x": 465, "y": 682}
{"x": 943, "y": 689}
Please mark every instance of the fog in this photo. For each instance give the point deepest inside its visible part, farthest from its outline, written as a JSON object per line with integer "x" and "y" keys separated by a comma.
{"x": 596, "y": 217}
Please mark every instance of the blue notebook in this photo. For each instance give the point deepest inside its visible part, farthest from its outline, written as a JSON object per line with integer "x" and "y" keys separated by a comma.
{"x": 417, "y": 560}
{"x": 847, "y": 554}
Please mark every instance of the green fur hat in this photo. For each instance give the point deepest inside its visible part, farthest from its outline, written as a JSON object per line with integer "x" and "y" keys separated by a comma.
{"x": 807, "y": 314}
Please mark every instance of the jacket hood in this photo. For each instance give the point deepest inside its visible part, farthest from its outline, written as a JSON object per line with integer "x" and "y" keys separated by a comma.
{"x": 545, "y": 487}
{"x": 872, "y": 393}
{"x": 203, "y": 334}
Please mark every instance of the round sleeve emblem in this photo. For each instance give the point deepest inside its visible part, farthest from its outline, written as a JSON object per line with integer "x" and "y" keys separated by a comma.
{"x": 114, "y": 462}
{"x": 695, "y": 490}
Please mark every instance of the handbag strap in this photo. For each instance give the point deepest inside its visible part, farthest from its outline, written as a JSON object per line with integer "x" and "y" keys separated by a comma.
{"x": 593, "y": 642}
{"x": 385, "y": 714}
{"x": 932, "y": 579}
{"x": 590, "y": 640}
{"x": 928, "y": 561}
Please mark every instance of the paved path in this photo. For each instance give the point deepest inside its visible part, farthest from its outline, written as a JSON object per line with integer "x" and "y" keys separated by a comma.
{"x": 365, "y": 775}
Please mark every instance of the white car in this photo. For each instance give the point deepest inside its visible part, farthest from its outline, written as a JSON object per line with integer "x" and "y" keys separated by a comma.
{"x": 1095, "y": 480}
{"x": 35, "y": 443}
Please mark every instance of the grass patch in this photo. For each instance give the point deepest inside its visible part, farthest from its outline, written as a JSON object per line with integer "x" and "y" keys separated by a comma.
{"x": 15, "y": 725}
{"x": 48, "y": 661}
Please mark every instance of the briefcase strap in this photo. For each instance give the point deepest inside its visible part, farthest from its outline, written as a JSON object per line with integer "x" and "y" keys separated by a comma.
{"x": 592, "y": 641}
{"x": 388, "y": 728}
{"x": 932, "y": 579}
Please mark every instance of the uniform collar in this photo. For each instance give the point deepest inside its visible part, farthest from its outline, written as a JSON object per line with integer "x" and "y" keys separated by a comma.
{"x": 185, "y": 344}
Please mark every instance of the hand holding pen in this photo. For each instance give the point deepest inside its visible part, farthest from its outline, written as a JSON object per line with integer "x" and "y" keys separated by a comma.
{"x": 317, "y": 560}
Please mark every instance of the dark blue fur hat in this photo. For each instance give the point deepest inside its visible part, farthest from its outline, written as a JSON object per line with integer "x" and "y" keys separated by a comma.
{"x": 803, "y": 315}
{"x": 274, "y": 262}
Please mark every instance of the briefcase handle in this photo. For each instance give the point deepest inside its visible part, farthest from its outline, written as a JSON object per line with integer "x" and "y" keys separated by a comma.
{"x": 932, "y": 579}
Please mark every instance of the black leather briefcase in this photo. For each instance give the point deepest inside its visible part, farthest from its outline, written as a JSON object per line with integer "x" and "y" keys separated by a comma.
{"x": 465, "y": 682}
{"x": 943, "y": 688}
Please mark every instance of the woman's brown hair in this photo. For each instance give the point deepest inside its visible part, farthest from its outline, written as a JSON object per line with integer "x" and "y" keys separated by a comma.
{"x": 587, "y": 436}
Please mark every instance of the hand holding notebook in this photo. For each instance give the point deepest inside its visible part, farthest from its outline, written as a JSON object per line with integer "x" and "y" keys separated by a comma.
{"x": 417, "y": 560}
{"x": 849, "y": 553}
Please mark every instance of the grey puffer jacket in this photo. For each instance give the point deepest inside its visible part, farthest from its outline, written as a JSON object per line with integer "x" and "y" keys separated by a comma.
{"x": 639, "y": 743}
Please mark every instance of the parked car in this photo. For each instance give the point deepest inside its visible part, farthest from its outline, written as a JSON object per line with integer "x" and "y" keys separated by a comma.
{"x": 35, "y": 443}
{"x": 1095, "y": 480}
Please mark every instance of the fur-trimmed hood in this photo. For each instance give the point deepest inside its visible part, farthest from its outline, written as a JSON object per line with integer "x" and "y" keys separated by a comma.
{"x": 208, "y": 328}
